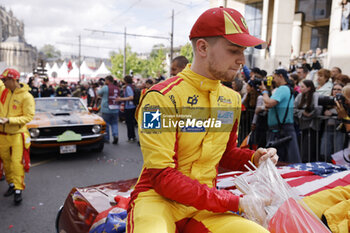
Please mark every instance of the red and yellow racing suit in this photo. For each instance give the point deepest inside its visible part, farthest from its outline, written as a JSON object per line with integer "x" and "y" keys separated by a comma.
{"x": 177, "y": 185}
{"x": 19, "y": 107}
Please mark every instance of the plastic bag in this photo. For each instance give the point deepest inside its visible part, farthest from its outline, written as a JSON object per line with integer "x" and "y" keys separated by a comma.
{"x": 272, "y": 203}
{"x": 341, "y": 157}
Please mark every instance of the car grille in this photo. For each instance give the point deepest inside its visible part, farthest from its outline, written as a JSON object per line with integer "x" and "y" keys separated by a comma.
{"x": 55, "y": 131}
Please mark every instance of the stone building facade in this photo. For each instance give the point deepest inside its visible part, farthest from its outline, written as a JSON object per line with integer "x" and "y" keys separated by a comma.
{"x": 292, "y": 27}
{"x": 15, "y": 52}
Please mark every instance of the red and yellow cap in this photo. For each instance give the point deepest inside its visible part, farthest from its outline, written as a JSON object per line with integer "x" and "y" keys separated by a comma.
{"x": 228, "y": 23}
{"x": 10, "y": 73}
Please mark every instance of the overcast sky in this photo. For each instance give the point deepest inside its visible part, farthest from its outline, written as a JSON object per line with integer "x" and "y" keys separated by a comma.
{"x": 60, "y": 22}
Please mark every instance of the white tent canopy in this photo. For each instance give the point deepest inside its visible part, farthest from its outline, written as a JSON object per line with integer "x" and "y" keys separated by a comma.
{"x": 86, "y": 73}
{"x": 47, "y": 67}
{"x": 63, "y": 71}
{"x": 53, "y": 69}
{"x": 102, "y": 71}
{"x": 85, "y": 70}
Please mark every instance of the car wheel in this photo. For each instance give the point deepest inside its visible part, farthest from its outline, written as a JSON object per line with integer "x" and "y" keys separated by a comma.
{"x": 100, "y": 147}
{"x": 58, "y": 219}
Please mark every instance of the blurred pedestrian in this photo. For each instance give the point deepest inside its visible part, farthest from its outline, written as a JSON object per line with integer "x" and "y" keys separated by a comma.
{"x": 315, "y": 64}
{"x": 110, "y": 107}
{"x": 148, "y": 85}
{"x": 324, "y": 82}
{"x": 46, "y": 90}
{"x": 332, "y": 139}
{"x": 280, "y": 118}
{"x": 345, "y": 15}
{"x": 336, "y": 72}
{"x": 17, "y": 109}
{"x": 32, "y": 88}
{"x": 62, "y": 90}
{"x": 306, "y": 111}
{"x": 177, "y": 65}
{"x": 129, "y": 108}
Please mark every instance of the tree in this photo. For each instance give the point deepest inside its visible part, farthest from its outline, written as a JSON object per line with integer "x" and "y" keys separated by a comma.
{"x": 132, "y": 62}
{"x": 157, "y": 61}
{"x": 186, "y": 51}
{"x": 152, "y": 66}
{"x": 50, "y": 51}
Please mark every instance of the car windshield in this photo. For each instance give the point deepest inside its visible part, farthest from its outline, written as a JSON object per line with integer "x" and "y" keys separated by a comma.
{"x": 59, "y": 105}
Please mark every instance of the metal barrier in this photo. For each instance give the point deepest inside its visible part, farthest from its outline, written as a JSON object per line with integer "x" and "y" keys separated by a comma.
{"x": 314, "y": 145}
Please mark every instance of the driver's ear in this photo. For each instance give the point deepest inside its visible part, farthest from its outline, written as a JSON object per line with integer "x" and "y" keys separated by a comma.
{"x": 202, "y": 47}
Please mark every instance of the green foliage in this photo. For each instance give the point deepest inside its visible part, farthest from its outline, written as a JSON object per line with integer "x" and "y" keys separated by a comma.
{"x": 50, "y": 51}
{"x": 186, "y": 51}
{"x": 150, "y": 67}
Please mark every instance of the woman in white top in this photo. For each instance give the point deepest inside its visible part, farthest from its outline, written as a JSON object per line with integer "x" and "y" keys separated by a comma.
{"x": 324, "y": 83}
{"x": 306, "y": 110}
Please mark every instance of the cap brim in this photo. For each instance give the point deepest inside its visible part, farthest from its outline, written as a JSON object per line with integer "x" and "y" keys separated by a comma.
{"x": 246, "y": 40}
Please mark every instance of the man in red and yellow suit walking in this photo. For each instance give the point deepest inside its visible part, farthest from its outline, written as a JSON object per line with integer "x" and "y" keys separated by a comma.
{"x": 188, "y": 127}
{"x": 17, "y": 108}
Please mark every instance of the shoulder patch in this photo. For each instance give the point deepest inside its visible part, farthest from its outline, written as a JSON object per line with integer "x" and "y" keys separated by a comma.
{"x": 165, "y": 86}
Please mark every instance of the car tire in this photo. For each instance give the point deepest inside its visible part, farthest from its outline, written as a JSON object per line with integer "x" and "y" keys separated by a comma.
{"x": 58, "y": 219}
{"x": 100, "y": 147}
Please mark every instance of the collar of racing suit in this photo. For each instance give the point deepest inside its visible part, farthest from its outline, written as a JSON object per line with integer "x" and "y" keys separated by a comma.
{"x": 199, "y": 81}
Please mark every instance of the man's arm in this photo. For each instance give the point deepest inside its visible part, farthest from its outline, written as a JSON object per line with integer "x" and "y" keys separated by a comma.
{"x": 130, "y": 95}
{"x": 234, "y": 157}
{"x": 269, "y": 102}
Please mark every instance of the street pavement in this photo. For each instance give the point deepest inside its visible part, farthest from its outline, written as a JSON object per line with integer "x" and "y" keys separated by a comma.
{"x": 50, "y": 179}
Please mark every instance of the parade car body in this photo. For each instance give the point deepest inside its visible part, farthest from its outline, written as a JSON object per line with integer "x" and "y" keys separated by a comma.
{"x": 103, "y": 207}
{"x": 64, "y": 125}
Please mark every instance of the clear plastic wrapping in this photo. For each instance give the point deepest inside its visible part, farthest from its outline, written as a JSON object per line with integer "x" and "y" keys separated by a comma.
{"x": 272, "y": 203}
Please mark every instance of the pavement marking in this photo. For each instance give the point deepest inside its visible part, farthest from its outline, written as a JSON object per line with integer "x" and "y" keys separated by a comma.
{"x": 42, "y": 162}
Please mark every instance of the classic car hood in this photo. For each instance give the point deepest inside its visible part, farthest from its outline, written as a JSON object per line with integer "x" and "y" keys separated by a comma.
{"x": 64, "y": 118}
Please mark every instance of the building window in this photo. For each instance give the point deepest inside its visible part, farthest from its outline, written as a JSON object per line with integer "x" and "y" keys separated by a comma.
{"x": 315, "y": 9}
{"x": 253, "y": 17}
{"x": 319, "y": 37}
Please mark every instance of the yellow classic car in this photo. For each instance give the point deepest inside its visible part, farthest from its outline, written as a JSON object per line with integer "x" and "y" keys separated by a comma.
{"x": 65, "y": 125}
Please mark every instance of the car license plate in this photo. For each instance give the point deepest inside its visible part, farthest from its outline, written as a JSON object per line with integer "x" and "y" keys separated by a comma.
{"x": 68, "y": 149}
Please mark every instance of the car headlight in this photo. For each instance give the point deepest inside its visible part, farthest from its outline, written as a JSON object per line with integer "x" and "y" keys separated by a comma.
{"x": 34, "y": 132}
{"x": 96, "y": 129}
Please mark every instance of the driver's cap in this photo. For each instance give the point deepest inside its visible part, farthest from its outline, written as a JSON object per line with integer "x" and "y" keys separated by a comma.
{"x": 10, "y": 73}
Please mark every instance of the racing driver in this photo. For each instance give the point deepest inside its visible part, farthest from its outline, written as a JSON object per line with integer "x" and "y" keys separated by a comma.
{"x": 176, "y": 190}
{"x": 17, "y": 108}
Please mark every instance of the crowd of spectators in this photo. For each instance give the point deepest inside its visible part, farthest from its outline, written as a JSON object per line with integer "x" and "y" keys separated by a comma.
{"x": 314, "y": 117}
{"x": 315, "y": 121}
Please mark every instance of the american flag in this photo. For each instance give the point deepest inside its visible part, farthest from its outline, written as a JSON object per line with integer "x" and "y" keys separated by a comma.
{"x": 305, "y": 178}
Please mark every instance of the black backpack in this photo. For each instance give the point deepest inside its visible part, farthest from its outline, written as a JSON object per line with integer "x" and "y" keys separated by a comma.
{"x": 137, "y": 95}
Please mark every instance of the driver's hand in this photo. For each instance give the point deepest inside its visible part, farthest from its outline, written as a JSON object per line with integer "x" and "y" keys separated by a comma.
{"x": 262, "y": 154}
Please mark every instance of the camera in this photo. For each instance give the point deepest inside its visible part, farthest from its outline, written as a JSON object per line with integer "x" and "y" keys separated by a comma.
{"x": 330, "y": 100}
{"x": 256, "y": 82}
